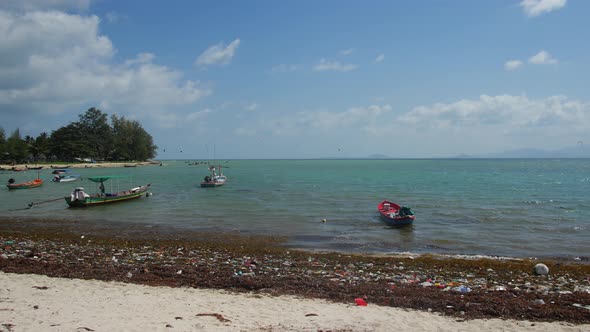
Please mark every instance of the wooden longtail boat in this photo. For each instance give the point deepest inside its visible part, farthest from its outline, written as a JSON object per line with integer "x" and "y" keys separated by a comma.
{"x": 395, "y": 215}
{"x": 25, "y": 185}
{"x": 79, "y": 198}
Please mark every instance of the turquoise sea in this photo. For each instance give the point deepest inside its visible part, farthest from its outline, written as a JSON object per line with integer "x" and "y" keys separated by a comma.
{"x": 505, "y": 207}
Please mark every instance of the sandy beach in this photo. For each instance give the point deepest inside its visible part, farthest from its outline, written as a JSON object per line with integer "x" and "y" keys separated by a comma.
{"x": 39, "y": 303}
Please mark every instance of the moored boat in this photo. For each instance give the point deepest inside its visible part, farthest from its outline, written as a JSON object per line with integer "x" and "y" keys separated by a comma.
{"x": 214, "y": 180}
{"x": 395, "y": 215}
{"x": 24, "y": 185}
{"x": 65, "y": 178}
{"x": 79, "y": 198}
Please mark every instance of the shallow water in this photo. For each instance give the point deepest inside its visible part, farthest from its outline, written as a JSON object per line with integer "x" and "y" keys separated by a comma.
{"x": 533, "y": 207}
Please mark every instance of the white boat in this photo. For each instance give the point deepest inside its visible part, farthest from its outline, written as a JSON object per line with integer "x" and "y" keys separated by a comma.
{"x": 214, "y": 180}
{"x": 65, "y": 178}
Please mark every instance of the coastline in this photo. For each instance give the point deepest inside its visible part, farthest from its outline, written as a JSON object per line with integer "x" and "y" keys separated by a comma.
{"x": 459, "y": 289}
{"x": 31, "y": 167}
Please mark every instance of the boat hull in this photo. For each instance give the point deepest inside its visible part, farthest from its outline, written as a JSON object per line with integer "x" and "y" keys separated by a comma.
{"x": 212, "y": 184}
{"x": 217, "y": 181}
{"x": 25, "y": 185}
{"x": 390, "y": 215}
{"x": 106, "y": 199}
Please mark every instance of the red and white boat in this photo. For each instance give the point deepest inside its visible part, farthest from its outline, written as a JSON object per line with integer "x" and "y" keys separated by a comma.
{"x": 395, "y": 215}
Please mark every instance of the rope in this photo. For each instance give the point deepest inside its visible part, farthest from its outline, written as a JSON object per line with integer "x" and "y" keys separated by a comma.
{"x": 47, "y": 201}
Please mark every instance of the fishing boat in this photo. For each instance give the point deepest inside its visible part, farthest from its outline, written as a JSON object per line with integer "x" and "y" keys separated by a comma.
{"x": 34, "y": 167}
{"x": 395, "y": 215}
{"x": 79, "y": 198}
{"x": 65, "y": 177}
{"x": 59, "y": 171}
{"x": 214, "y": 180}
{"x": 24, "y": 185}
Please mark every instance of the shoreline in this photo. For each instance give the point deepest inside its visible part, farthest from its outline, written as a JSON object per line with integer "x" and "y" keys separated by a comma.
{"x": 33, "y": 167}
{"x": 455, "y": 287}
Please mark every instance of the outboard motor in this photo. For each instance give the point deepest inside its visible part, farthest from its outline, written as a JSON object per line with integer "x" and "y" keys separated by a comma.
{"x": 78, "y": 194}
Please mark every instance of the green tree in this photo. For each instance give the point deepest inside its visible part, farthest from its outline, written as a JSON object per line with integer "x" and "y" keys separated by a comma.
{"x": 41, "y": 146}
{"x": 67, "y": 143}
{"x": 97, "y": 133}
{"x": 131, "y": 141}
{"x": 2, "y": 144}
{"x": 16, "y": 147}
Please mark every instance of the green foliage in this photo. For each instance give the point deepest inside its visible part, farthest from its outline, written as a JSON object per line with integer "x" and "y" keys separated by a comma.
{"x": 98, "y": 135}
{"x": 41, "y": 146}
{"x": 16, "y": 147}
{"x": 2, "y": 144}
{"x": 131, "y": 141}
{"x": 90, "y": 137}
{"x": 68, "y": 143}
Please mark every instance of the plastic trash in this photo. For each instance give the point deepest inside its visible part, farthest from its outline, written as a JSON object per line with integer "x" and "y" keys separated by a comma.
{"x": 462, "y": 289}
{"x": 360, "y": 302}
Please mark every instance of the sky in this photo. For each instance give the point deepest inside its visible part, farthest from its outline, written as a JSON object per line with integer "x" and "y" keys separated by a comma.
{"x": 304, "y": 79}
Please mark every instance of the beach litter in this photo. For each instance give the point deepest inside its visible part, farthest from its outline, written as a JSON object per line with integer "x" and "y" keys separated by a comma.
{"x": 360, "y": 302}
{"x": 419, "y": 283}
{"x": 577, "y": 305}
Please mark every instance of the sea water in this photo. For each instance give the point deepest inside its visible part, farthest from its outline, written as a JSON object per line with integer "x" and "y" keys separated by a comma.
{"x": 505, "y": 207}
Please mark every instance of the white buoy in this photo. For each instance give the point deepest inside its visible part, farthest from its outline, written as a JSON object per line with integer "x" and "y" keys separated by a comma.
{"x": 324, "y": 220}
{"x": 541, "y": 269}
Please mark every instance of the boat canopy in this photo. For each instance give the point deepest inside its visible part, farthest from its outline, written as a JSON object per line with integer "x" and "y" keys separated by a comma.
{"x": 105, "y": 178}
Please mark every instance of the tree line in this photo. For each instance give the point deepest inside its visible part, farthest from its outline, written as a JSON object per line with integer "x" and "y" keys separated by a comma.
{"x": 90, "y": 137}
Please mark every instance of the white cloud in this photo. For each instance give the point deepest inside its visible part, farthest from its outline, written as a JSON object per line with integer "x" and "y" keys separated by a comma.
{"x": 380, "y": 58}
{"x": 218, "y": 54}
{"x": 537, "y": 7}
{"x": 542, "y": 58}
{"x": 56, "y": 62}
{"x": 505, "y": 111}
{"x": 347, "y": 51}
{"x": 326, "y": 65}
{"x": 512, "y": 65}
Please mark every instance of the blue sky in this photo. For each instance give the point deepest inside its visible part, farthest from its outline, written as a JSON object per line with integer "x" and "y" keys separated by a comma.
{"x": 305, "y": 79}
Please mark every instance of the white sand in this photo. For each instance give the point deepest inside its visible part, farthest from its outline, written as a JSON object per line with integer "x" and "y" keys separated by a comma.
{"x": 81, "y": 305}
